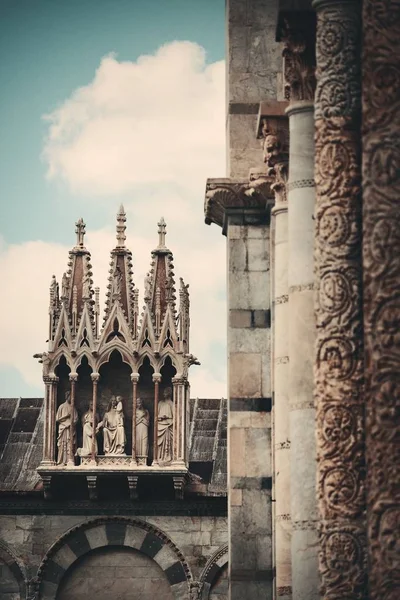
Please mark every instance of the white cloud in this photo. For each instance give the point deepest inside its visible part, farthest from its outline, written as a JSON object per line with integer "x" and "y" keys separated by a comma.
{"x": 149, "y": 133}
{"x": 157, "y": 120}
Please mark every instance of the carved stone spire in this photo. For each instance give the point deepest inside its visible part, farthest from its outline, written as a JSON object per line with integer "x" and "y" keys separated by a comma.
{"x": 121, "y": 227}
{"x": 120, "y": 287}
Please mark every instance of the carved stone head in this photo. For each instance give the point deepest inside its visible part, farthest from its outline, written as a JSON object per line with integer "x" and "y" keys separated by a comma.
{"x": 139, "y": 403}
{"x": 168, "y": 393}
{"x": 68, "y": 397}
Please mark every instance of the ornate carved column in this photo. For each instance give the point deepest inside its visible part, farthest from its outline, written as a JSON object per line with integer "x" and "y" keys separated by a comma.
{"x": 135, "y": 381}
{"x": 381, "y": 267}
{"x": 242, "y": 209}
{"x": 339, "y": 378}
{"x": 297, "y": 32}
{"x": 156, "y": 380}
{"x": 275, "y": 132}
{"x": 73, "y": 378}
{"x": 95, "y": 380}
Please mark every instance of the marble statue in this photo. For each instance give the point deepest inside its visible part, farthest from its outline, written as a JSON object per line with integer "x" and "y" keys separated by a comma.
{"x": 113, "y": 428}
{"x": 116, "y": 282}
{"x": 164, "y": 427}
{"x": 63, "y": 418}
{"x": 64, "y": 286}
{"x": 142, "y": 432}
{"x": 87, "y": 433}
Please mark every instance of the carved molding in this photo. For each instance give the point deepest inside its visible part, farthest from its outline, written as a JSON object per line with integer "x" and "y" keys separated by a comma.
{"x": 224, "y": 194}
{"x": 381, "y": 264}
{"x": 339, "y": 376}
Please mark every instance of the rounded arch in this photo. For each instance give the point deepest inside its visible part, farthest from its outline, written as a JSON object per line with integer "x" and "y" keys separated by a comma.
{"x": 112, "y": 531}
{"x": 211, "y": 570}
{"x": 105, "y": 356}
{"x": 16, "y": 566}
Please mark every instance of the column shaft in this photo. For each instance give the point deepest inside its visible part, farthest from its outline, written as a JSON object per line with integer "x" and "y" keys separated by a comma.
{"x": 52, "y": 419}
{"x": 339, "y": 366}
{"x": 381, "y": 264}
{"x": 283, "y": 561}
{"x": 95, "y": 379}
{"x": 71, "y": 460}
{"x": 134, "y": 379}
{"x": 301, "y": 323}
{"x": 156, "y": 379}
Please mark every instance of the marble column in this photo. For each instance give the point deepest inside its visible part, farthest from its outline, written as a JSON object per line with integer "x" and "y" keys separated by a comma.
{"x": 156, "y": 380}
{"x": 180, "y": 421}
{"x": 49, "y": 417}
{"x": 95, "y": 380}
{"x": 301, "y": 324}
{"x": 73, "y": 378}
{"x": 135, "y": 380}
{"x": 275, "y": 147}
{"x": 244, "y": 215}
{"x": 381, "y": 272}
{"x": 339, "y": 362}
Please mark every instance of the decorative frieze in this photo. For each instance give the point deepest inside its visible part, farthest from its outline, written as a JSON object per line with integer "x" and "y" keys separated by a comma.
{"x": 381, "y": 269}
{"x": 339, "y": 385}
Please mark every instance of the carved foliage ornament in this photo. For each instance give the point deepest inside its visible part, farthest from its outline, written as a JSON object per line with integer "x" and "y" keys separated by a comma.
{"x": 339, "y": 388}
{"x": 381, "y": 262}
{"x": 298, "y": 36}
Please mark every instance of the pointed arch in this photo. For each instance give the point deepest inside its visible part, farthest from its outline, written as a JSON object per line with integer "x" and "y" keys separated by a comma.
{"x": 113, "y": 531}
{"x": 58, "y": 356}
{"x": 153, "y": 362}
{"x": 87, "y": 354}
{"x": 121, "y": 350}
{"x": 169, "y": 353}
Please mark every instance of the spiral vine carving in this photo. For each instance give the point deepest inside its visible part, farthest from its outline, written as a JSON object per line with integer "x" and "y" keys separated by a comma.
{"x": 339, "y": 390}
{"x": 381, "y": 264}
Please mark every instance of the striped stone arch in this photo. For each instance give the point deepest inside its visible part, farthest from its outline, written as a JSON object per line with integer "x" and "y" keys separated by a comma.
{"x": 113, "y": 531}
{"x": 16, "y": 567}
{"x": 213, "y": 566}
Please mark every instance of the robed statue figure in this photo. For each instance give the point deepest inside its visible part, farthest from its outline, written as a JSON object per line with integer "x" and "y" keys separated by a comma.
{"x": 164, "y": 427}
{"x": 113, "y": 428}
{"x": 87, "y": 433}
{"x": 64, "y": 418}
{"x": 142, "y": 432}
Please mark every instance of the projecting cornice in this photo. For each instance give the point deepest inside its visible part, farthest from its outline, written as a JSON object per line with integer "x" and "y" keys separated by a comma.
{"x": 226, "y": 195}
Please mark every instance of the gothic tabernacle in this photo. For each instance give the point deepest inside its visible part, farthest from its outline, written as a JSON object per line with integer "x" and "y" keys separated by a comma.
{"x": 119, "y": 396}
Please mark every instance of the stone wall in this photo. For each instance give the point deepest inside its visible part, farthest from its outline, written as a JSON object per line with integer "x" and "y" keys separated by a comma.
{"x": 38, "y": 541}
{"x": 254, "y": 75}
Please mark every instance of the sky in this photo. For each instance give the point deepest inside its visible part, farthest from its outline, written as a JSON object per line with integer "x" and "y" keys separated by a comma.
{"x": 103, "y": 102}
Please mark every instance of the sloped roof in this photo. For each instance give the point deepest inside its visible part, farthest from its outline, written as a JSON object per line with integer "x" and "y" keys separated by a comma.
{"x": 21, "y": 442}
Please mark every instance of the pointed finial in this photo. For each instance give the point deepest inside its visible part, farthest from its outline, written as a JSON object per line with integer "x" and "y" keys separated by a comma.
{"x": 80, "y": 232}
{"x": 121, "y": 218}
{"x": 161, "y": 232}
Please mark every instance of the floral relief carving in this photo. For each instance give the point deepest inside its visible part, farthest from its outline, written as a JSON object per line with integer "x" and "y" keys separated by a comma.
{"x": 381, "y": 266}
{"x": 339, "y": 365}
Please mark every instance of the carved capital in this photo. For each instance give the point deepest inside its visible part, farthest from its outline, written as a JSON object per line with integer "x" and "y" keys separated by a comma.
{"x": 95, "y": 377}
{"x": 296, "y": 30}
{"x": 227, "y": 194}
{"x": 275, "y": 133}
{"x": 135, "y": 377}
{"x": 157, "y": 377}
{"x": 73, "y": 377}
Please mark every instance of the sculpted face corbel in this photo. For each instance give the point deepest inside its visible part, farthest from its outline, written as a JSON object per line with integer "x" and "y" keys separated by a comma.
{"x": 276, "y": 154}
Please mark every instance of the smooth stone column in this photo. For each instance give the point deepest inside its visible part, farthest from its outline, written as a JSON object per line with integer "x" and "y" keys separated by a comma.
{"x": 301, "y": 319}
{"x": 283, "y": 568}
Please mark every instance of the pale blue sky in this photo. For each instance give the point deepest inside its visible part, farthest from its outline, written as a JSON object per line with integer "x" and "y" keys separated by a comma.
{"x": 48, "y": 49}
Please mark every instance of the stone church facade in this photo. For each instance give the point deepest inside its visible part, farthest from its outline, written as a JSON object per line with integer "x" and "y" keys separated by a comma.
{"x": 114, "y": 484}
{"x": 310, "y": 212}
